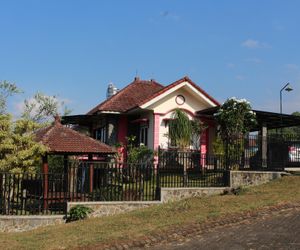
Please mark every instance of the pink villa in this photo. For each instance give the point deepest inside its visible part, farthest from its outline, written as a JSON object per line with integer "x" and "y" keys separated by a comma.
{"x": 143, "y": 109}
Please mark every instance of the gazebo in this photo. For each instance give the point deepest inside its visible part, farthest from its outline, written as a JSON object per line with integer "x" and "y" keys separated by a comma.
{"x": 61, "y": 140}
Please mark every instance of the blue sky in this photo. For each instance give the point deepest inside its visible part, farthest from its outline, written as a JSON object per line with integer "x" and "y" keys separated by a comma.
{"x": 247, "y": 49}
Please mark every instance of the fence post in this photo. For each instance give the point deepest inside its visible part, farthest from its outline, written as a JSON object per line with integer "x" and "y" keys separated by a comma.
{"x": 157, "y": 189}
{"x": 45, "y": 172}
{"x": 264, "y": 146}
{"x": 226, "y": 154}
{"x": 91, "y": 170}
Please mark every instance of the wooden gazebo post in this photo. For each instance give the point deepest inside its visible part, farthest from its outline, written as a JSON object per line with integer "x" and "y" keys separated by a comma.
{"x": 91, "y": 169}
{"x": 46, "y": 181}
{"x": 66, "y": 173}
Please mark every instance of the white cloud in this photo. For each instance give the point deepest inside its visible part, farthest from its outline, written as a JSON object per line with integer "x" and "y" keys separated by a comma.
{"x": 240, "y": 77}
{"x": 19, "y": 106}
{"x": 254, "y": 60}
{"x": 169, "y": 15}
{"x": 254, "y": 44}
{"x": 230, "y": 65}
{"x": 292, "y": 67}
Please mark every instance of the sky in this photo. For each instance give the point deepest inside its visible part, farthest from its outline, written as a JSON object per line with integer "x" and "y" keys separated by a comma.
{"x": 74, "y": 48}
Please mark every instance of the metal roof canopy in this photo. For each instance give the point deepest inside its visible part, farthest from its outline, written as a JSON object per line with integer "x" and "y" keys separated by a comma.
{"x": 264, "y": 118}
{"x": 83, "y": 120}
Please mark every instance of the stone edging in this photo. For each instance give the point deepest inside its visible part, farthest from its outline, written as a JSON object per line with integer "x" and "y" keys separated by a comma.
{"x": 181, "y": 232}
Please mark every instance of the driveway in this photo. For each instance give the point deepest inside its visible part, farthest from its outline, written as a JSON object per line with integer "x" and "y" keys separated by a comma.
{"x": 276, "y": 231}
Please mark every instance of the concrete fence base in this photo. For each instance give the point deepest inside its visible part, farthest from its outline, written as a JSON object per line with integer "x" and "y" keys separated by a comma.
{"x": 17, "y": 223}
{"x": 252, "y": 178}
{"x": 112, "y": 207}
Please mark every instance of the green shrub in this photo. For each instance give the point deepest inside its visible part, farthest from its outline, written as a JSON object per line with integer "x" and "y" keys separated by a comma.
{"x": 78, "y": 212}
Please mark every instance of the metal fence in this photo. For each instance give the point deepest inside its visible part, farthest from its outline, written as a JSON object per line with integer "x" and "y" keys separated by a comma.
{"x": 23, "y": 194}
{"x": 191, "y": 169}
{"x": 34, "y": 194}
{"x": 274, "y": 152}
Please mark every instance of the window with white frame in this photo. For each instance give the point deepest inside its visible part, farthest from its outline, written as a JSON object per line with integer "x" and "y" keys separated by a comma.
{"x": 144, "y": 135}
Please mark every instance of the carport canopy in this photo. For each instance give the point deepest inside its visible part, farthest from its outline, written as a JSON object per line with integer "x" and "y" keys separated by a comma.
{"x": 270, "y": 120}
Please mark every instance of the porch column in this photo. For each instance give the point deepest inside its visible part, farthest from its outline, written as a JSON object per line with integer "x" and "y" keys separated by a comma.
{"x": 46, "y": 182}
{"x": 156, "y": 135}
{"x": 91, "y": 170}
{"x": 204, "y": 146}
{"x": 264, "y": 146}
{"x": 156, "y": 131}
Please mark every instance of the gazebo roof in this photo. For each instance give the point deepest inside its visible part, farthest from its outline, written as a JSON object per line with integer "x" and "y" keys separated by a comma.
{"x": 61, "y": 139}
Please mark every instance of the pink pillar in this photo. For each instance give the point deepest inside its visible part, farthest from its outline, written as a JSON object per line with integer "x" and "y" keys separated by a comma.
{"x": 156, "y": 135}
{"x": 156, "y": 131}
{"x": 204, "y": 146}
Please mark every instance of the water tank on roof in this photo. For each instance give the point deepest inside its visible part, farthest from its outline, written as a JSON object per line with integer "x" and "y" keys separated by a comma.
{"x": 111, "y": 90}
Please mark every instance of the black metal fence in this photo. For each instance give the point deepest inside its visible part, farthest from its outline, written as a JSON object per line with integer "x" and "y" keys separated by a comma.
{"x": 28, "y": 193}
{"x": 24, "y": 194}
{"x": 34, "y": 194}
{"x": 191, "y": 169}
{"x": 253, "y": 152}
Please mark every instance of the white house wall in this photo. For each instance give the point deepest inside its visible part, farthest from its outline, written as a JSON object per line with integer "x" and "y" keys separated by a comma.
{"x": 192, "y": 102}
{"x": 165, "y": 107}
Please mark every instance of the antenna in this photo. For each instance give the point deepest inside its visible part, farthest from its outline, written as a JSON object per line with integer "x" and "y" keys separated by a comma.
{"x": 136, "y": 73}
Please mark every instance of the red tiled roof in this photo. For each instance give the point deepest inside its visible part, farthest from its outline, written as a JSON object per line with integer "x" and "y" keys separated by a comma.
{"x": 184, "y": 79}
{"x": 60, "y": 139}
{"x": 139, "y": 92}
{"x": 129, "y": 97}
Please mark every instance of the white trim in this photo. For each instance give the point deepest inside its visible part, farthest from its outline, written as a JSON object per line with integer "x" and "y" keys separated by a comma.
{"x": 109, "y": 112}
{"x": 169, "y": 91}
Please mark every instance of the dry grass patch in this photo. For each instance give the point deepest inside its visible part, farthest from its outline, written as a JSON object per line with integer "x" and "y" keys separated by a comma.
{"x": 145, "y": 221}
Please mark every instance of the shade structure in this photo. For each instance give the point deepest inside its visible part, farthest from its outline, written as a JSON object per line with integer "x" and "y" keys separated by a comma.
{"x": 65, "y": 141}
{"x": 264, "y": 118}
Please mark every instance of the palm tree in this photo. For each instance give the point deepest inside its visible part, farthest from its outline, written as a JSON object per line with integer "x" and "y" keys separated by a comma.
{"x": 182, "y": 130}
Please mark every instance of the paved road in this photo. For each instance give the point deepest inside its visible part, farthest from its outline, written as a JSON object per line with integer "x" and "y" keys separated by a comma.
{"x": 280, "y": 231}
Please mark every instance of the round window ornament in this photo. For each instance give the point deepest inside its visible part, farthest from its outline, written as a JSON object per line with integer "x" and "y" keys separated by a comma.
{"x": 180, "y": 100}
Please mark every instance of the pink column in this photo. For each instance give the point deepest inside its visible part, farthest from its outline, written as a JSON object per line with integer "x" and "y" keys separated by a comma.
{"x": 156, "y": 131}
{"x": 204, "y": 146}
{"x": 156, "y": 135}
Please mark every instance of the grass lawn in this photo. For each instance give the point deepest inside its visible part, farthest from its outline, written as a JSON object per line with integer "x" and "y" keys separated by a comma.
{"x": 142, "y": 222}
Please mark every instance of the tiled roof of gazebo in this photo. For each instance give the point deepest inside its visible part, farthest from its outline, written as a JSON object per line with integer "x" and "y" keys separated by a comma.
{"x": 60, "y": 139}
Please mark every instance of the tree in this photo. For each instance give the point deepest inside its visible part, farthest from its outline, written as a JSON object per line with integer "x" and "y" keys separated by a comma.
{"x": 42, "y": 108}
{"x": 6, "y": 89}
{"x": 235, "y": 118}
{"x": 182, "y": 130}
{"x": 19, "y": 152}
